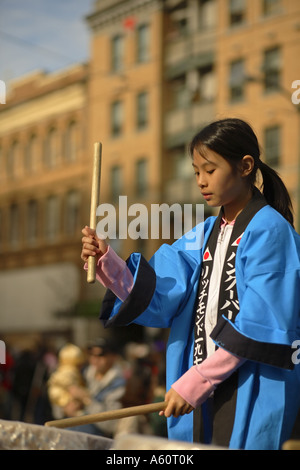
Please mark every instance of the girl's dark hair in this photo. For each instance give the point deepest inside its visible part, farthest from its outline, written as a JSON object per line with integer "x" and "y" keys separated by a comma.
{"x": 233, "y": 139}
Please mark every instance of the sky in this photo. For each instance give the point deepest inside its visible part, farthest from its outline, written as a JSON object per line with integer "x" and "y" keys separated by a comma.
{"x": 47, "y": 35}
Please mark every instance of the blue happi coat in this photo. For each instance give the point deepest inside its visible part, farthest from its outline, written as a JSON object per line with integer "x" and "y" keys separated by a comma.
{"x": 265, "y": 331}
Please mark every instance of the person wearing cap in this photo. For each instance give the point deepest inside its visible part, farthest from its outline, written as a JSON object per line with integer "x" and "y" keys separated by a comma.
{"x": 106, "y": 382}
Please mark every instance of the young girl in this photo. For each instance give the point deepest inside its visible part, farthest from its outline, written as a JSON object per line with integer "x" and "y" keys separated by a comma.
{"x": 232, "y": 305}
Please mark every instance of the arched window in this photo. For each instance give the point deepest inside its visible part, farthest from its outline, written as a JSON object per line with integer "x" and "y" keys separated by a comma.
{"x": 141, "y": 177}
{"x": 14, "y": 225}
{"x": 32, "y": 222}
{"x": 72, "y": 212}
{"x": 51, "y": 149}
{"x": 2, "y": 169}
{"x": 117, "y": 53}
{"x": 142, "y": 110}
{"x": 116, "y": 182}
{"x": 31, "y": 154}
{"x": 13, "y": 163}
{"x": 117, "y": 118}
{"x": 1, "y": 229}
{"x": 272, "y": 137}
{"x": 71, "y": 142}
{"x": 272, "y": 68}
{"x": 143, "y": 43}
{"x": 52, "y": 220}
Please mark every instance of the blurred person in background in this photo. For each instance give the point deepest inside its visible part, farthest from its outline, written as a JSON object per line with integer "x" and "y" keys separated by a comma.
{"x": 6, "y": 382}
{"x": 22, "y": 377}
{"x": 61, "y": 382}
{"x": 145, "y": 384}
{"x": 105, "y": 381}
{"x": 138, "y": 390}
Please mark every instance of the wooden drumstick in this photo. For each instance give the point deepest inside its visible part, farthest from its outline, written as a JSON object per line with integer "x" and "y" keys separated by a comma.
{"x": 108, "y": 415}
{"x": 95, "y": 196}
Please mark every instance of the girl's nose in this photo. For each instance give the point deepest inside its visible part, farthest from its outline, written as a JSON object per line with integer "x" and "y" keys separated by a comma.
{"x": 201, "y": 182}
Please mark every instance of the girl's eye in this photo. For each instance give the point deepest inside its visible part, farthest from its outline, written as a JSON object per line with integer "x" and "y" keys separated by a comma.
{"x": 210, "y": 172}
{"x": 196, "y": 173}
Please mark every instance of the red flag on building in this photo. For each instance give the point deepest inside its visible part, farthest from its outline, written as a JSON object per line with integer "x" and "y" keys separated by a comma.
{"x": 129, "y": 23}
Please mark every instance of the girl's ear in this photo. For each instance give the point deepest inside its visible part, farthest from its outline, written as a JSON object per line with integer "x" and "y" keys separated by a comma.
{"x": 247, "y": 165}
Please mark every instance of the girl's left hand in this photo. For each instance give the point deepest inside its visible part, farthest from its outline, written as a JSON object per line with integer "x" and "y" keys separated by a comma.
{"x": 176, "y": 405}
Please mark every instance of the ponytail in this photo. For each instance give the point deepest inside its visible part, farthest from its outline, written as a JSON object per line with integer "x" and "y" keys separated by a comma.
{"x": 275, "y": 192}
{"x": 233, "y": 139}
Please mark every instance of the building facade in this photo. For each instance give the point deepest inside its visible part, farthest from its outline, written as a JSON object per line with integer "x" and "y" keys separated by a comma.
{"x": 42, "y": 192}
{"x": 233, "y": 58}
{"x": 159, "y": 70}
{"x": 257, "y": 60}
{"x": 126, "y": 107}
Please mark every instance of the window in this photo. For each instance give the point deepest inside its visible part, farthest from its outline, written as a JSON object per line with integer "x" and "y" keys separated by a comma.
{"x": 180, "y": 92}
{"x": 272, "y": 146}
{"x": 143, "y": 43}
{"x": 271, "y": 6}
{"x": 13, "y": 160}
{"x": 1, "y": 228}
{"x": 237, "y": 80}
{"x": 116, "y": 118}
{"x": 51, "y": 149}
{"x": 32, "y": 222}
{"x": 182, "y": 167}
{"x": 117, "y": 55}
{"x": 142, "y": 110}
{"x": 141, "y": 177}
{"x": 52, "y": 218}
{"x": 179, "y": 19}
{"x": 2, "y": 170}
{"x": 72, "y": 212}
{"x": 207, "y": 83}
{"x": 237, "y": 11}
{"x": 14, "y": 226}
{"x": 116, "y": 182}
{"x": 271, "y": 68}
{"x": 70, "y": 143}
{"x": 207, "y": 13}
{"x": 31, "y": 155}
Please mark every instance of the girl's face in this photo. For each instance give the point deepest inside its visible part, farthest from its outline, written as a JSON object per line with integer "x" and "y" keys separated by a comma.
{"x": 222, "y": 185}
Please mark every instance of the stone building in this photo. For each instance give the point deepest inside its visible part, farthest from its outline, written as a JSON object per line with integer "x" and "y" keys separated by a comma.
{"x": 158, "y": 71}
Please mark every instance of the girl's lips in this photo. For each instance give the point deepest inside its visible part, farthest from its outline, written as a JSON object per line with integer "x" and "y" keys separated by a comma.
{"x": 206, "y": 195}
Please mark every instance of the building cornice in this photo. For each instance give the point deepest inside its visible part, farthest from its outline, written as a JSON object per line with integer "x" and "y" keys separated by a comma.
{"x": 110, "y": 12}
{"x": 39, "y": 84}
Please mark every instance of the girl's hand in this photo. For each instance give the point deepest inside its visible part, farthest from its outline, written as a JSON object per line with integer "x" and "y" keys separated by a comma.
{"x": 92, "y": 245}
{"x": 176, "y": 405}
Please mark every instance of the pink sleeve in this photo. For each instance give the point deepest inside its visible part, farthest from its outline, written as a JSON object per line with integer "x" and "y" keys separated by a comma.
{"x": 113, "y": 273}
{"x": 197, "y": 384}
